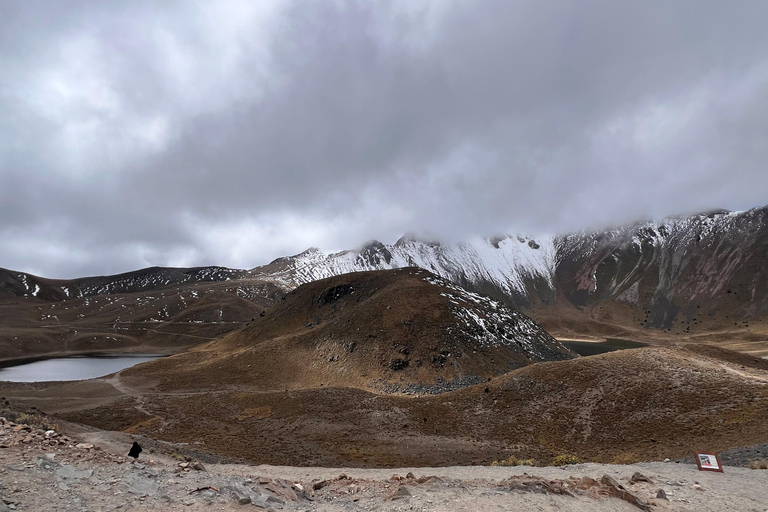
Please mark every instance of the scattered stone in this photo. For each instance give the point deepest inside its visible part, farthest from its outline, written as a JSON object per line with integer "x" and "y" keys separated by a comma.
{"x": 282, "y": 489}
{"x": 527, "y": 483}
{"x": 401, "y": 493}
{"x": 661, "y": 494}
{"x": 44, "y": 462}
{"x": 141, "y": 485}
{"x": 319, "y": 485}
{"x": 259, "y": 505}
{"x": 697, "y": 487}
{"x": 84, "y": 446}
{"x": 240, "y": 493}
{"x": 67, "y": 472}
{"x": 617, "y": 490}
{"x": 639, "y": 477}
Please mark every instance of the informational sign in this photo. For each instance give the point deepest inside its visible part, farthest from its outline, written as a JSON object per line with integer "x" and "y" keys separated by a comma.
{"x": 709, "y": 462}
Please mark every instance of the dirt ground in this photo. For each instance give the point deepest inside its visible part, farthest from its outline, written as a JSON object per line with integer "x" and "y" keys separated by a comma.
{"x": 622, "y": 407}
{"x": 80, "y": 469}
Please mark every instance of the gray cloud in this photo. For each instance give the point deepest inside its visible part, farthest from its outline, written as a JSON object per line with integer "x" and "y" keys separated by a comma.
{"x": 174, "y": 133}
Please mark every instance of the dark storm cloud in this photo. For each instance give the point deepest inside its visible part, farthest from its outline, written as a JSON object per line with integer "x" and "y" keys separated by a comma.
{"x": 146, "y": 133}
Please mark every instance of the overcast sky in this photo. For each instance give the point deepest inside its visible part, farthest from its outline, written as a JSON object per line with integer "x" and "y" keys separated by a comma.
{"x": 188, "y": 133}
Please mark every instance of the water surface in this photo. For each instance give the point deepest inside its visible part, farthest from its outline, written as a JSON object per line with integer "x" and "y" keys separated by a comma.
{"x": 72, "y": 368}
{"x": 591, "y": 348}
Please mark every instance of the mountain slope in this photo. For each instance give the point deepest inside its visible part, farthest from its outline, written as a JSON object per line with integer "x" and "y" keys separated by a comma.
{"x": 161, "y": 309}
{"x": 686, "y": 276}
{"x": 396, "y": 330}
{"x": 625, "y": 406}
{"x": 699, "y": 278}
{"x": 511, "y": 267}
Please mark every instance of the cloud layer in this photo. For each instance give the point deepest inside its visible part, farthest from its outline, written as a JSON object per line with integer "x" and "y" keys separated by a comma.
{"x": 233, "y": 132}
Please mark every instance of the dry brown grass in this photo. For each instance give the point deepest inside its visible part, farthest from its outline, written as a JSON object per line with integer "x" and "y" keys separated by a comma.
{"x": 625, "y": 458}
{"x": 321, "y": 337}
{"x": 758, "y": 464}
{"x": 634, "y": 405}
{"x": 298, "y": 363}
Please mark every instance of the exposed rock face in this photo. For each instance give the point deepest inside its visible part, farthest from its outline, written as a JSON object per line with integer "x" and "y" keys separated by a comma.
{"x": 673, "y": 268}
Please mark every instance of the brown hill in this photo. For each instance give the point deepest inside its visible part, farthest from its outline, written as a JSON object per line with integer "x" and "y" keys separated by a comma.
{"x": 699, "y": 278}
{"x": 395, "y": 330}
{"x": 642, "y": 404}
{"x": 158, "y": 309}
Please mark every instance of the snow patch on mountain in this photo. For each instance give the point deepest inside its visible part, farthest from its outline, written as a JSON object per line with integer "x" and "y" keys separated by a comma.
{"x": 508, "y": 262}
{"x": 491, "y": 323}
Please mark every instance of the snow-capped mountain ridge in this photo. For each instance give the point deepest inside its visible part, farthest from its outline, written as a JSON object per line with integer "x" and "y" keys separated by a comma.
{"x": 508, "y": 262}
{"x": 664, "y": 268}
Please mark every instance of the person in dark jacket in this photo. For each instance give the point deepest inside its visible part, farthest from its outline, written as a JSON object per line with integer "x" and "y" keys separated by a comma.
{"x": 135, "y": 450}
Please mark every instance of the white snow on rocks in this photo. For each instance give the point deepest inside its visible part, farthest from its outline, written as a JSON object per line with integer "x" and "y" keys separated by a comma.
{"x": 507, "y": 262}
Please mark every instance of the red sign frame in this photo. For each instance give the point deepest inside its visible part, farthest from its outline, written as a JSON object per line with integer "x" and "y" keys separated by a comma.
{"x": 704, "y": 462}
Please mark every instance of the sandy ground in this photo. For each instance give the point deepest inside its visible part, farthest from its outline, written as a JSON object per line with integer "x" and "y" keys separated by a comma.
{"x": 55, "y": 471}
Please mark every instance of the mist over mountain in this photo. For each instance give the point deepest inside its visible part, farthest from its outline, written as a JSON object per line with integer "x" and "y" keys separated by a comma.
{"x": 672, "y": 269}
{"x": 683, "y": 276}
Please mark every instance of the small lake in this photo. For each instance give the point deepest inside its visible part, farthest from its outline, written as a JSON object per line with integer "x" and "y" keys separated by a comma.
{"x": 72, "y": 368}
{"x": 591, "y": 348}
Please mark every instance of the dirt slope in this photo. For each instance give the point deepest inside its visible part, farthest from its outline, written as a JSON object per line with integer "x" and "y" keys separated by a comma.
{"x": 167, "y": 319}
{"x": 642, "y": 404}
{"x": 383, "y": 331}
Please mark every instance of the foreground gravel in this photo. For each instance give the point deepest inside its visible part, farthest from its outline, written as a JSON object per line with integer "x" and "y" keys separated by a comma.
{"x": 48, "y": 471}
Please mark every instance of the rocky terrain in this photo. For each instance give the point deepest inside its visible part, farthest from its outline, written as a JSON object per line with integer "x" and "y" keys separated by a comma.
{"x": 698, "y": 278}
{"x": 378, "y": 331}
{"x": 159, "y": 310}
{"x": 72, "y": 469}
{"x": 404, "y": 368}
{"x": 620, "y": 407}
{"x": 400, "y": 368}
